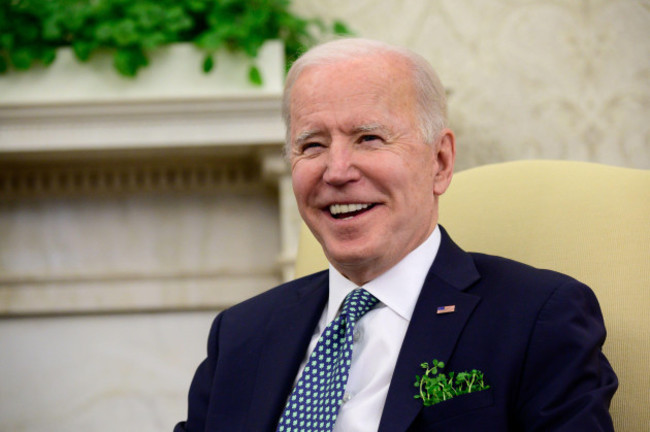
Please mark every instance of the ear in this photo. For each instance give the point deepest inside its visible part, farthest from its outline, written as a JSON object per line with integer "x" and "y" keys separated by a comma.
{"x": 445, "y": 158}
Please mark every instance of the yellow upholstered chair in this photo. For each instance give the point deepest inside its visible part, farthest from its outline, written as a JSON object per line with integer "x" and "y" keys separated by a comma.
{"x": 586, "y": 220}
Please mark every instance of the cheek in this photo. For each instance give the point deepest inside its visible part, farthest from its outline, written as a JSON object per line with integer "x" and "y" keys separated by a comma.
{"x": 298, "y": 186}
{"x": 421, "y": 183}
{"x": 303, "y": 178}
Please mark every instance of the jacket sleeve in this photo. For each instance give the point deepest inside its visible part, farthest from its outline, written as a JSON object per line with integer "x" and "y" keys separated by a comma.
{"x": 199, "y": 395}
{"x": 567, "y": 382}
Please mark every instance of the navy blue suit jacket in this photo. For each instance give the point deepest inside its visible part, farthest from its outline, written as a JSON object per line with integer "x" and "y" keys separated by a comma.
{"x": 535, "y": 334}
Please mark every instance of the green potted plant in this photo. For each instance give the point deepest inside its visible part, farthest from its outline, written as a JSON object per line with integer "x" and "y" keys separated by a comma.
{"x": 31, "y": 31}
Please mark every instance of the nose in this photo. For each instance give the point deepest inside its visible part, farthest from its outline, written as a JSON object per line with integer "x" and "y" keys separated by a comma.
{"x": 341, "y": 167}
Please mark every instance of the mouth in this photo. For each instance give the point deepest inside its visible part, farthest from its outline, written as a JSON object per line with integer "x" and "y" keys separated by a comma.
{"x": 348, "y": 211}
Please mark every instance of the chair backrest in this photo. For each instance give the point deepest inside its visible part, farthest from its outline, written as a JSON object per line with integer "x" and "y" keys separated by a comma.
{"x": 586, "y": 220}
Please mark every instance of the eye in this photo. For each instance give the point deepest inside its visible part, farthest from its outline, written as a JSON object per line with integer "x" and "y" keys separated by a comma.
{"x": 310, "y": 147}
{"x": 369, "y": 138}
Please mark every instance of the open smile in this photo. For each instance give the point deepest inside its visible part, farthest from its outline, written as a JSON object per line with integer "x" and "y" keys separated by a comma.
{"x": 348, "y": 211}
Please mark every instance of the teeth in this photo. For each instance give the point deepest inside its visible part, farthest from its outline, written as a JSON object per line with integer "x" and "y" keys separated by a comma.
{"x": 347, "y": 208}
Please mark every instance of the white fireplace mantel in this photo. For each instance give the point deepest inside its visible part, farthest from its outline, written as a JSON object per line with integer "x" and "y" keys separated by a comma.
{"x": 74, "y": 141}
{"x": 122, "y": 125}
{"x": 74, "y": 106}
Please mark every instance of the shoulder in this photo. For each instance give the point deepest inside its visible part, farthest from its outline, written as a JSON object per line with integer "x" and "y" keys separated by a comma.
{"x": 490, "y": 275}
{"x": 541, "y": 289}
{"x": 491, "y": 266}
{"x": 270, "y": 300}
{"x": 252, "y": 316}
{"x": 498, "y": 269}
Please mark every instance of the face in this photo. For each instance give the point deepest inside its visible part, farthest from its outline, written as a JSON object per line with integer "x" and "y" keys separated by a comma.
{"x": 365, "y": 182}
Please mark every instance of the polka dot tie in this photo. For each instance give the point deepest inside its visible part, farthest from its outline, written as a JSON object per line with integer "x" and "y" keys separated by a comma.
{"x": 314, "y": 402}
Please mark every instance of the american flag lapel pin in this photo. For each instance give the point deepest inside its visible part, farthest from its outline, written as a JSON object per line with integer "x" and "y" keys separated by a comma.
{"x": 445, "y": 309}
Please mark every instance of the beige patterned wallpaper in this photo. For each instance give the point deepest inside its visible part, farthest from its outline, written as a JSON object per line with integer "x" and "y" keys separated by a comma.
{"x": 552, "y": 79}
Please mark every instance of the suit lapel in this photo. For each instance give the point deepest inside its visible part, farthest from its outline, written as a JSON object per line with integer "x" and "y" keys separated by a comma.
{"x": 285, "y": 343}
{"x": 430, "y": 335}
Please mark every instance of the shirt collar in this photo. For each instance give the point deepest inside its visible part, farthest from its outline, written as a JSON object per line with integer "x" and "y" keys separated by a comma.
{"x": 398, "y": 288}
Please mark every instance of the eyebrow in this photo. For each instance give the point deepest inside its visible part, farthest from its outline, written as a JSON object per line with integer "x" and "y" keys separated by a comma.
{"x": 370, "y": 127}
{"x": 306, "y": 136}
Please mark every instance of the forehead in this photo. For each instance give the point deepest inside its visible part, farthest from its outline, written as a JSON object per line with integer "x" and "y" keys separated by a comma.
{"x": 357, "y": 89}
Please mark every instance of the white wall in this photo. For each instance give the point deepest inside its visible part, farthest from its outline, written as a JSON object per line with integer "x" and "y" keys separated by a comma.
{"x": 100, "y": 373}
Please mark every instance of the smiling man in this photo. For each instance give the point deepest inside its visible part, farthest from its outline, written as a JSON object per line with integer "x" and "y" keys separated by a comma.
{"x": 339, "y": 350}
{"x": 366, "y": 181}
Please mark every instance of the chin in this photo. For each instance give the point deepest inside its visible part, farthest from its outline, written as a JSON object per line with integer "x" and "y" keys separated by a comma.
{"x": 348, "y": 256}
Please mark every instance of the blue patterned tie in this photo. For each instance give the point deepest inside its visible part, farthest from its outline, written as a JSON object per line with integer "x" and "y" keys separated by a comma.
{"x": 314, "y": 402}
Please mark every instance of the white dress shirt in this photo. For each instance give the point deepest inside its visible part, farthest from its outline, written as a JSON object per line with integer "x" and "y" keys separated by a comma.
{"x": 378, "y": 335}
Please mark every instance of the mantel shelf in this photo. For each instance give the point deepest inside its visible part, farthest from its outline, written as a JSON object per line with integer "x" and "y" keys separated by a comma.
{"x": 73, "y": 106}
{"x": 118, "y": 125}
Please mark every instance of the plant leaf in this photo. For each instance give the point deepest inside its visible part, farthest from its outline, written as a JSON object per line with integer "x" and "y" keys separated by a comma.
{"x": 49, "y": 55}
{"x": 255, "y": 76}
{"x": 83, "y": 49}
{"x": 22, "y": 58}
{"x": 129, "y": 61}
{"x": 340, "y": 28}
{"x": 208, "y": 63}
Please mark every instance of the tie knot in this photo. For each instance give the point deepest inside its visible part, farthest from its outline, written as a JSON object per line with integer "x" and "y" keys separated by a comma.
{"x": 357, "y": 303}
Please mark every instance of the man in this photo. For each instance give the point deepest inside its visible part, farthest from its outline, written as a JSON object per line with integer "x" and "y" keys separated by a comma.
{"x": 370, "y": 155}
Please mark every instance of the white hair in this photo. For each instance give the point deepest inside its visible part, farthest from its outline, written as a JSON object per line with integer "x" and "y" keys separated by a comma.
{"x": 431, "y": 98}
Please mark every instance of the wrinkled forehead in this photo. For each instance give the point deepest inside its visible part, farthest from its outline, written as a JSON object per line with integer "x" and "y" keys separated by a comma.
{"x": 378, "y": 80}
{"x": 390, "y": 67}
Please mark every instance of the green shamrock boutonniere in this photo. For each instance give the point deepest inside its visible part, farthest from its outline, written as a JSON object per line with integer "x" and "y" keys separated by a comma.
{"x": 436, "y": 387}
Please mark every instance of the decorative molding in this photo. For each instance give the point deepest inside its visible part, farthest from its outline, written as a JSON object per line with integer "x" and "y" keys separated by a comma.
{"x": 172, "y": 103}
{"x": 276, "y": 170}
{"x": 115, "y": 175}
{"x": 141, "y": 125}
{"x": 111, "y": 293}
{"x": 106, "y": 176}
